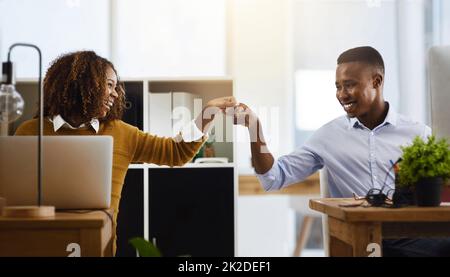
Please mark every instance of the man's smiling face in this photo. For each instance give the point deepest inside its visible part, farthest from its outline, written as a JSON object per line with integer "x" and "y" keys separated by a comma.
{"x": 355, "y": 89}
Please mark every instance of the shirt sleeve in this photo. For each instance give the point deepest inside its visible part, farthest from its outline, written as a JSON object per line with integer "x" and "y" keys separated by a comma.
{"x": 426, "y": 133}
{"x": 291, "y": 168}
{"x": 163, "y": 150}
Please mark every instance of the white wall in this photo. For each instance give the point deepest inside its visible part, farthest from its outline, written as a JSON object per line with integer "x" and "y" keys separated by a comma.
{"x": 259, "y": 59}
{"x": 169, "y": 38}
{"x": 412, "y": 56}
{"x": 445, "y": 23}
{"x": 265, "y": 226}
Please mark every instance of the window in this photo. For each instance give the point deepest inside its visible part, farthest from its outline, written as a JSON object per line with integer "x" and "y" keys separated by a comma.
{"x": 315, "y": 105}
{"x": 324, "y": 29}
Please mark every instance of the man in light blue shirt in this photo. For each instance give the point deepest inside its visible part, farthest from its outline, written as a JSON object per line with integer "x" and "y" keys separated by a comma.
{"x": 357, "y": 158}
{"x": 357, "y": 150}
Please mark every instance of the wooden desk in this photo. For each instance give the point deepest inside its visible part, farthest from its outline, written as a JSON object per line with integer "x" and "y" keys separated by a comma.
{"x": 92, "y": 231}
{"x": 352, "y": 229}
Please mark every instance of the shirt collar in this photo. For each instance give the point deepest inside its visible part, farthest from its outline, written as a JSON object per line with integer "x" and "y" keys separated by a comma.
{"x": 391, "y": 118}
{"x": 59, "y": 122}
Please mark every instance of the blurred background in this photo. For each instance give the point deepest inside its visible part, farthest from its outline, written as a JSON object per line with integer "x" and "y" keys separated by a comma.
{"x": 281, "y": 55}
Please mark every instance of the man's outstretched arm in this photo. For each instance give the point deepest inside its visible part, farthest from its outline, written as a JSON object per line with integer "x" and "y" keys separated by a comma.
{"x": 262, "y": 159}
{"x": 288, "y": 169}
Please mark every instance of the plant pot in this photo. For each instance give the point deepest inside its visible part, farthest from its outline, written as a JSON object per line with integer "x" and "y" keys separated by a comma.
{"x": 404, "y": 196}
{"x": 428, "y": 192}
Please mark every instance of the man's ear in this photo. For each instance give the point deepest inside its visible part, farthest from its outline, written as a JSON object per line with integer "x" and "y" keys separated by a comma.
{"x": 377, "y": 80}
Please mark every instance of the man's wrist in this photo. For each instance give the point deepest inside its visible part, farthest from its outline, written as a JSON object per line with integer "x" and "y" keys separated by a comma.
{"x": 254, "y": 128}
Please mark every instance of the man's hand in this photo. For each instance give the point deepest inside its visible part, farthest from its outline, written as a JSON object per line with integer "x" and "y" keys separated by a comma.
{"x": 244, "y": 116}
{"x": 213, "y": 107}
{"x": 262, "y": 159}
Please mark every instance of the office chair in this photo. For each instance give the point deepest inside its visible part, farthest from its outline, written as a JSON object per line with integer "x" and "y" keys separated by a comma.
{"x": 301, "y": 204}
{"x": 439, "y": 75}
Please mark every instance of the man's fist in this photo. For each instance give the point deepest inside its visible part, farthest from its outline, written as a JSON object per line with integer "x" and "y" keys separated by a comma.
{"x": 243, "y": 115}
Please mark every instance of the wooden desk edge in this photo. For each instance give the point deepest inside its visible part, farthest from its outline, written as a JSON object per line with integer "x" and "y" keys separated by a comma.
{"x": 66, "y": 219}
{"x": 95, "y": 230}
{"x": 320, "y": 206}
{"x": 360, "y": 214}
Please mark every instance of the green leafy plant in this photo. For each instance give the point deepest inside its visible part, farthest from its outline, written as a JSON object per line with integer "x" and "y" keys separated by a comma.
{"x": 145, "y": 248}
{"x": 424, "y": 160}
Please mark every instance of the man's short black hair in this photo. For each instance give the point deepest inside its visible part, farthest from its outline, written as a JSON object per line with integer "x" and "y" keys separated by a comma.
{"x": 364, "y": 54}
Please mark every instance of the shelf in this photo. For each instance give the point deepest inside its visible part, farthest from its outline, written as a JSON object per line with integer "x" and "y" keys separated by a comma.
{"x": 188, "y": 165}
{"x": 190, "y": 79}
{"x": 134, "y": 166}
{"x": 28, "y": 80}
{"x": 159, "y": 91}
{"x": 202, "y": 165}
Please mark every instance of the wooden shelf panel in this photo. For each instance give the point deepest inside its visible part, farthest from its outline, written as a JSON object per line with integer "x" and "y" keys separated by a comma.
{"x": 249, "y": 185}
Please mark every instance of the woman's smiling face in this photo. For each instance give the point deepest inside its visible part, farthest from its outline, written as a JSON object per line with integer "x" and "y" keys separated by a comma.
{"x": 110, "y": 94}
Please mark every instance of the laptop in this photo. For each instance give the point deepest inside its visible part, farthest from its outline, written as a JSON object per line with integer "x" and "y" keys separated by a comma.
{"x": 76, "y": 171}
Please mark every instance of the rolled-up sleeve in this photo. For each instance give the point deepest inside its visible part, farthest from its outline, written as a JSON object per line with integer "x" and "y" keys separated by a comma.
{"x": 291, "y": 168}
{"x": 190, "y": 132}
{"x": 426, "y": 133}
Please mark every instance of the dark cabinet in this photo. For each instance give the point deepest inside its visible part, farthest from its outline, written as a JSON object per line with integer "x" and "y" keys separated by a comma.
{"x": 134, "y": 104}
{"x": 192, "y": 211}
{"x": 130, "y": 220}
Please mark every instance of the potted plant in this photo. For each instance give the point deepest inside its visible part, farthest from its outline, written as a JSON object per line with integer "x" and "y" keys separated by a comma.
{"x": 425, "y": 166}
{"x": 144, "y": 247}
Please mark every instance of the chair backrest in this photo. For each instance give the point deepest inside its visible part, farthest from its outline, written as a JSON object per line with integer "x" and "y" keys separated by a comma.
{"x": 439, "y": 72}
{"x": 324, "y": 192}
{"x": 439, "y": 66}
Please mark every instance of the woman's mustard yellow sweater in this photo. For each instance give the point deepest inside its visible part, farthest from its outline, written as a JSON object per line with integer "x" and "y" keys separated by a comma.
{"x": 130, "y": 145}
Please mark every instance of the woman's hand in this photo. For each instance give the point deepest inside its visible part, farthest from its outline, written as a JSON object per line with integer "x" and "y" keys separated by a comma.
{"x": 222, "y": 102}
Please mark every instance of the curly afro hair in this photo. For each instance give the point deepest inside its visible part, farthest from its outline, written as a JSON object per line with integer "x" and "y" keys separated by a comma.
{"x": 75, "y": 84}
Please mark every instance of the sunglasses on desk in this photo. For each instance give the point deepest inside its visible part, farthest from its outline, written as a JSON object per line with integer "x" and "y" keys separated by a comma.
{"x": 375, "y": 198}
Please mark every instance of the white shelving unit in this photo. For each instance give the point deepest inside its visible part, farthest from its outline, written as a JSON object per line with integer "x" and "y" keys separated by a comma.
{"x": 206, "y": 88}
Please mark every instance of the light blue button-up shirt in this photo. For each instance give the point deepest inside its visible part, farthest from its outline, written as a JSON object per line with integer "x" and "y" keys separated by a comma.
{"x": 356, "y": 158}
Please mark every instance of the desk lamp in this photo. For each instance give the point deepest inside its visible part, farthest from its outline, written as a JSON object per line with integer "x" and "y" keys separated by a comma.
{"x": 11, "y": 108}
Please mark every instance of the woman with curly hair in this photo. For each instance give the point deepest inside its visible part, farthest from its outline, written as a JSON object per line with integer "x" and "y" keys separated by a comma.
{"x": 83, "y": 96}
